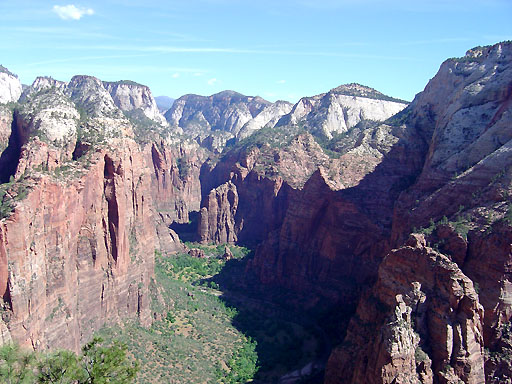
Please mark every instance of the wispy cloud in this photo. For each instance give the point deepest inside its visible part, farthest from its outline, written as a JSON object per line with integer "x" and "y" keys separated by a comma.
{"x": 164, "y": 49}
{"x": 81, "y": 59}
{"x": 71, "y": 12}
{"x": 447, "y": 40}
{"x": 212, "y": 81}
{"x": 281, "y": 81}
{"x": 175, "y": 75}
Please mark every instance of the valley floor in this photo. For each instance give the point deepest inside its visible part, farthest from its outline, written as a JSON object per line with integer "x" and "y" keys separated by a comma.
{"x": 207, "y": 331}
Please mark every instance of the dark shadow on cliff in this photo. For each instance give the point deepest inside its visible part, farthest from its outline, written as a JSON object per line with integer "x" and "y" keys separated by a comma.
{"x": 350, "y": 264}
{"x": 290, "y": 333}
{"x": 187, "y": 231}
{"x": 11, "y": 155}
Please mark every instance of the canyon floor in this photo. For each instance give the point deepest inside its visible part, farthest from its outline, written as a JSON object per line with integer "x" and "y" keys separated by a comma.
{"x": 207, "y": 329}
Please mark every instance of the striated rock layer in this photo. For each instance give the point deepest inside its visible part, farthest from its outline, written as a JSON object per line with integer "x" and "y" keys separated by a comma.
{"x": 78, "y": 228}
{"x": 421, "y": 317}
{"x": 10, "y": 86}
{"x": 432, "y": 313}
{"x": 76, "y": 252}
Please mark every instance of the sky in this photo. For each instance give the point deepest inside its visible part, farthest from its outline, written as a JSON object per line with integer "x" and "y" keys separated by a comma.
{"x": 276, "y": 49}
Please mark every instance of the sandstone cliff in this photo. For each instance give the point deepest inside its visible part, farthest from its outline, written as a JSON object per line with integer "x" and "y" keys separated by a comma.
{"x": 421, "y": 323}
{"x": 78, "y": 227}
{"x": 213, "y": 120}
{"x": 130, "y": 96}
{"x": 460, "y": 202}
{"x": 10, "y": 86}
{"x": 327, "y": 215}
{"x": 317, "y": 230}
{"x": 340, "y": 109}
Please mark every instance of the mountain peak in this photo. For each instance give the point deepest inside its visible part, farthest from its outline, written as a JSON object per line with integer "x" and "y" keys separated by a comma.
{"x": 6, "y": 71}
{"x": 359, "y": 90}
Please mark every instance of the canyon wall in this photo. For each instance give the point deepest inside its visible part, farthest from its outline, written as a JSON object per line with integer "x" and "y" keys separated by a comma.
{"x": 439, "y": 311}
{"x": 79, "y": 226}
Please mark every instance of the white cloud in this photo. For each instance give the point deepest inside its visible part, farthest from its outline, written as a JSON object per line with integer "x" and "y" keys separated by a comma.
{"x": 212, "y": 81}
{"x": 175, "y": 75}
{"x": 71, "y": 12}
{"x": 197, "y": 74}
{"x": 281, "y": 81}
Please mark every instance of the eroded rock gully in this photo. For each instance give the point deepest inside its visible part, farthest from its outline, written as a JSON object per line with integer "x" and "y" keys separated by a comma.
{"x": 431, "y": 310}
{"x": 79, "y": 225}
{"x": 409, "y": 228}
{"x": 67, "y": 248}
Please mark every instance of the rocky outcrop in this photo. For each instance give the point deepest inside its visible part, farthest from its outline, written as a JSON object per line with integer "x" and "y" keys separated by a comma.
{"x": 225, "y": 111}
{"x": 44, "y": 83}
{"x": 53, "y": 118}
{"x": 129, "y": 96}
{"x": 78, "y": 228}
{"x": 215, "y": 120}
{"x": 77, "y": 250}
{"x": 340, "y": 109}
{"x": 421, "y": 323}
{"x": 268, "y": 117}
{"x": 461, "y": 202}
{"x": 175, "y": 178}
{"x": 10, "y": 86}
{"x": 465, "y": 109}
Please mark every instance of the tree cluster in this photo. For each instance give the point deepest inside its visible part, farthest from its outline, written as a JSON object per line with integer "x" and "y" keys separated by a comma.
{"x": 97, "y": 364}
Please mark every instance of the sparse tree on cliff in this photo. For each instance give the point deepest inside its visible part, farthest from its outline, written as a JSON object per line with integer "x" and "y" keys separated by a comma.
{"x": 61, "y": 367}
{"x": 103, "y": 364}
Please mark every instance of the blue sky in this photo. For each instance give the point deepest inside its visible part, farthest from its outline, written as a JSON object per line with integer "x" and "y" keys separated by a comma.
{"x": 275, "y": 49}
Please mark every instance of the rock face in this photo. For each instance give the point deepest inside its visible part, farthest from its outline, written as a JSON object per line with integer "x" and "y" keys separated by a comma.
{"x": 78, "y": 227}
{"x": 225, "y": 111}
{"x": 339, "y": 227}
{"x": 175, "y": 182}
{"x": 129, "y": 96}
{"x": 421, "y": 323}
{"x": 10, "y": 86}
{"x": 340, "y": 109}
{"x": 77, "y": 252}
{"x": 461, "y": 202}
{"x": 268, "y": 117}
{"x": 215, "y": 119}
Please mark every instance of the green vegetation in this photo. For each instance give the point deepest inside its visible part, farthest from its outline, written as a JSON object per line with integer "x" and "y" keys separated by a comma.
{"x": 460, "y": 224}
{"x": 202, "y": 334}
{"x": 5, "y": 70}
{"x": 99, "y": 363}
{"x": 194, "y": 330}
{"x": 354, "y": 89}
{"x": 123, "y": 82}
{"x": 10, "y": 193}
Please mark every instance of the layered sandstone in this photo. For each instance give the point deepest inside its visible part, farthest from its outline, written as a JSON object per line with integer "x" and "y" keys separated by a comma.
{"x": 421, "y": 323}
{"x": 77, "y": 251}
{"x": 461, "y": 202}
{"x": 10, "y": 86}
{"x": 77, "y": 247}
{"x": 129, "y": 96}
{"x": 175, "y": 177}
{"x": 340, "y": 109}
